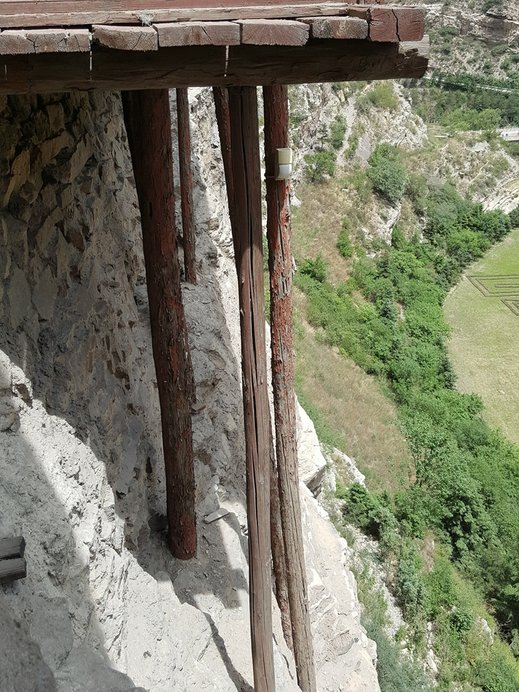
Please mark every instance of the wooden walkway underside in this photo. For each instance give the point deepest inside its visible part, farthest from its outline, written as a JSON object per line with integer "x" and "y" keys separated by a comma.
{"x": 206, "y": 45}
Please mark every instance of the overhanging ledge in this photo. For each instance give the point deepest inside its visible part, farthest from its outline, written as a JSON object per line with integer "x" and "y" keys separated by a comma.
{"x": 317, "y": 61}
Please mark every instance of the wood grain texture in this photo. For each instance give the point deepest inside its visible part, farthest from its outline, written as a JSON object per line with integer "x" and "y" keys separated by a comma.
{"x": 148, "y": 123}
{"x": 24, "y": 42}
{"x": 12, "y": 547}
{"x": 134, "y": 38}
{"x": 275, "y": 101}
{"x": 272, "y": 32}
{"x": 186, "y": 184}
{"x": 29, "y": 14}
{"x": 248, "y": 243}
{"x": 198, "y": 34}
{"x": 12, "y": 569}
{"x": 338, "y": 27}
{"x": 319, "y": 61}
{"x": 410, "y": 23}
{"x": 394, "y": 24}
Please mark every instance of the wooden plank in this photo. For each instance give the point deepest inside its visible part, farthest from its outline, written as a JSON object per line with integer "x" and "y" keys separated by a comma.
{"x": 186, "y": 184}
{"x": 19, "y": 14}
{"x": 394, "y": 24}
{"x": 15, "y": 568}
{"x": 274, "y": 32}
{"x": 23, "y": 42}
{"x": 12, "y": 547}
{"x": 410, "y": 23}
{"x": 248, "y": 242}
{"x": 138, "y": 38}
{"x": 319, "y": 61}
{"x": 198, "y": 34}
{"x": 148, "y": 124}
{"x": 275, "y": 101}
{"x": 338, "y": 27}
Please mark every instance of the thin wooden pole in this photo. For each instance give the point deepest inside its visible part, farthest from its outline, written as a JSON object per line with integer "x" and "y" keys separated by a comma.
{"x": 246, "y": 223}
{"x": 223, "y": 118}
{"x": 148, "y": 124}
{"x": 221, "y": 100}
{"x": 186, "y": 184}
{"x": 280, "y": 265}
{"x": 278, "y": 549}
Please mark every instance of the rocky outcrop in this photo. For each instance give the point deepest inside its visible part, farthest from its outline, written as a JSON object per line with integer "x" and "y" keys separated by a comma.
{"x": 80, "y": 447}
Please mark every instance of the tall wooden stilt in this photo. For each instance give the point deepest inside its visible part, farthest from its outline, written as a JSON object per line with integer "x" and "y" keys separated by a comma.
{"x": 280, "y": 265}
{"x": 148, "y": 124}
{"x": 186, "y": 184}
{"x": 246, "y": 226}
{"x": 223, "y": 118}
{"x": 221, "y": 100}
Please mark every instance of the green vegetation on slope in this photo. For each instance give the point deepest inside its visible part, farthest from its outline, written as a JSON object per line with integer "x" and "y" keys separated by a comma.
{"x": 388, "y": 317}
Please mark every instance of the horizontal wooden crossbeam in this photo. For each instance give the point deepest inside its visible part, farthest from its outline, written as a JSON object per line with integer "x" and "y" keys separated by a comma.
{"x": 38, "y": 13}
{"x": 324, "y": 60}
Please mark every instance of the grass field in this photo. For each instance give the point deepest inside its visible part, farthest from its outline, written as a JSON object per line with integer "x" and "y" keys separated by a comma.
{"x": 485, "y": 335}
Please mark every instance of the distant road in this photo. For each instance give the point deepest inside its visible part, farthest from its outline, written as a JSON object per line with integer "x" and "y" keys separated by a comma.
{"x": 460, "y": 85}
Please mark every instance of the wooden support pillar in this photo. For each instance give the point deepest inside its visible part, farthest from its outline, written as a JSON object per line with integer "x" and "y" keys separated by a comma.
{"x": 247, "y": 233}
{"x": 280, "y": 266}
{"x": 148, "y": 124}
{"x": 223, "y": 118}
{"x": 277, "y": 542}
{"x": 186, "y": 184}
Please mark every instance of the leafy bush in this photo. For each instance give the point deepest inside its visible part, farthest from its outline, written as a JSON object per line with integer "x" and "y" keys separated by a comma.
{"x": 513, "y": 217}
{"x": 343, "y": 242}
{"x": 320, "y": 165}
{"x": 314, "y": 268}
{"x": 387, "y": 173}
{"x": 381, "y": 95}
{"x": 337, "y": 132}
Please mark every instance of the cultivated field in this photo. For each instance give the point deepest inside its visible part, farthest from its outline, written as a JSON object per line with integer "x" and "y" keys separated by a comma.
{"x": 483, "y": 311}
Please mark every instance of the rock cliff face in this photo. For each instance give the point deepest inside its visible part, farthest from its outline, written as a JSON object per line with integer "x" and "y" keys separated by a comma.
{"x": 80, "y": 449}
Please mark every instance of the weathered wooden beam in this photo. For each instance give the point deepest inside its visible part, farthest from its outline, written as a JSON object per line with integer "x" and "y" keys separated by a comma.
{"x": 148, "y": 123}
{"x": 139, "y": 38}
{"x": 29, "y": 13}
{"x": 319, "y": 61}
{"x": 23, "y": 42}
{"x": 198, "y": 34}
{"x": 338, "y": 27}
{"x": 275, "y": 101}
{"x": 272, "y": 32}
{"x": 186, "y": 184}
{"x": 12, "y": 547}
{"x": 394, "y": 24}
{"x": 247, "y": 235}
{"x": 12, "y": 569}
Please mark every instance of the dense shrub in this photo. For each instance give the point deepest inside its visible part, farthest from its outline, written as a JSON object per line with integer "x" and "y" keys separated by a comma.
{"x": 387, "y": 173}
{"x": 337, "y": 132}
{"x": 319, "y": 166}
{"x": 314, "y": 268}
{"x": 343, "y": 241}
